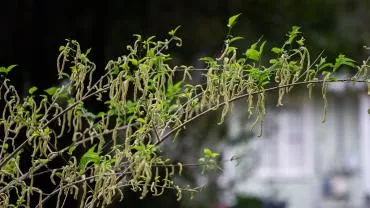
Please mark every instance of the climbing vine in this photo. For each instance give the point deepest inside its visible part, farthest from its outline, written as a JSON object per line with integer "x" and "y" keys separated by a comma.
{"x": 146, "y": 102}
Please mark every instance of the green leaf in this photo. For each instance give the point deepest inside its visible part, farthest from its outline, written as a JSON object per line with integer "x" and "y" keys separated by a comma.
{"x": 138, "y": 36}
{"x": 88, "y": 51}
{"x": 209, "y": 61}
{"x": 5, "y": 146}
{"x": 254, "y": 45}
{"x": 70, "y": 100}
{"x": 6, "y": 70}
{"x": 11, "y": 67}
{"x": 141, "y": 120}
{"x": 89, "y": 156}
{"x": 235, "y": 39}
{"x": 149, "y": 40}
{"x": 330, "y": 65}
{"x": 134, "y": 62}
{"x": 71, "y": 149}
{"x": 293, "y": 34}
{"x": 273, "y": 61}
{"x": 207, "y": 151}
{"x": 172, "y": 32}
{"x": 32, "y": 90}
{"x": 209, "y": 154}
{"x": 252, "y": 54}
{"x": 174, "y": 107}
{"x": 261, "y": 47}
{"x": 232, "y": 20}
{"x": 100, "y": 114}
{"x": 88, "y": 115}
{"x": 116, "y": 69}
{"x": 343, "y": 60}
{"x": 64, "y": 74}
{"x": 301, "y": 41}
{"x": 47, "y": 131}
{"x": 276, "y": 50}
{"x": 322, "y": 61}
{"x": 51, "y": 91}
{"x": 172, "y": 90}
{"x": 35, "y": 134}
{"x": 73, "y": 68}
{"x": 202, "y": 160}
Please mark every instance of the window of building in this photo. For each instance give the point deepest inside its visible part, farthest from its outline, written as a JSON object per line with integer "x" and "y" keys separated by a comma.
{"x": 286, "y": 148}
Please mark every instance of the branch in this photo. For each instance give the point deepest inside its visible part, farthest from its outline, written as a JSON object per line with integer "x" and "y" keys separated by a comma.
{"x": 77, "y": 182}
{"x": 21, "y": 146}
{"x": 248, "y": 94}
{"x": 54, "y": 155}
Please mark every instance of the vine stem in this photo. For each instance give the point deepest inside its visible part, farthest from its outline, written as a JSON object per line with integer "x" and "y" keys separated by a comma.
{"x": 248, "y": 94}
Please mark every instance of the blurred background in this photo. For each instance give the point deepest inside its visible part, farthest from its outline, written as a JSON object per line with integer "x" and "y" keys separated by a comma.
{"x": 298, "y": 163}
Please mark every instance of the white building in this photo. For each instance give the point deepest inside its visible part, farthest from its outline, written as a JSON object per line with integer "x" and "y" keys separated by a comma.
{"x": 299, "y": 159}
